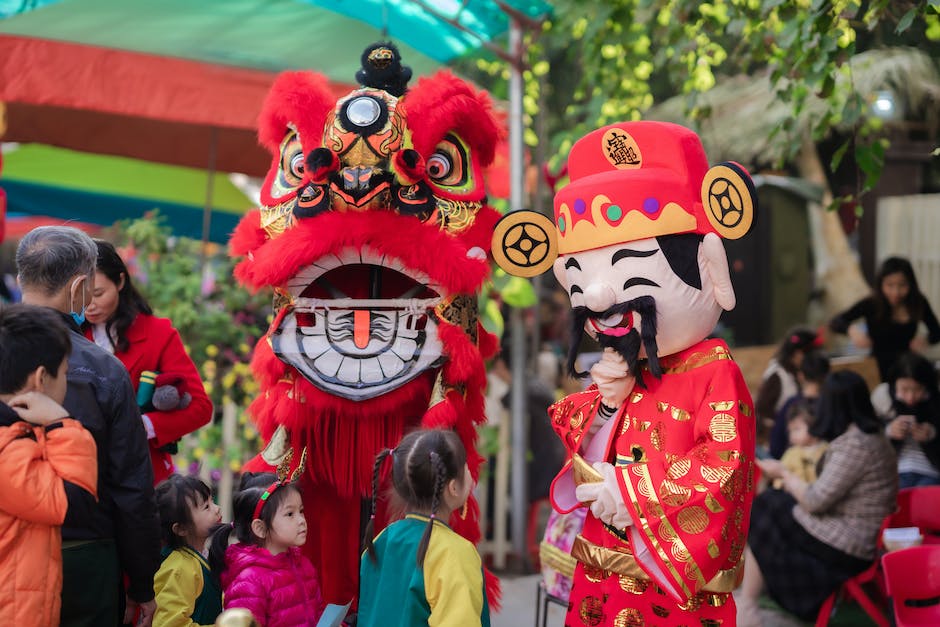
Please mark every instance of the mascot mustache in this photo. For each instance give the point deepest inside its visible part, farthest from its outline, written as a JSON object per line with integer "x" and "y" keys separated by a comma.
{"x": 627, "y": 346}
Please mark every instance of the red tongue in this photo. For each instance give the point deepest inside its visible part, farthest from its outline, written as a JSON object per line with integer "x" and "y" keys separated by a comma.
{"x": 361, "y": 327}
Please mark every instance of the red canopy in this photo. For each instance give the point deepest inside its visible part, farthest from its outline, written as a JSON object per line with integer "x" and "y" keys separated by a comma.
{"x": 133, "y": 104}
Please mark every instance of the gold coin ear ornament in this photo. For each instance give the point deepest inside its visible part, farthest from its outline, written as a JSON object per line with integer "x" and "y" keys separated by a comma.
{"x": 729, "y": 199}
{"x": 524, "y": 243}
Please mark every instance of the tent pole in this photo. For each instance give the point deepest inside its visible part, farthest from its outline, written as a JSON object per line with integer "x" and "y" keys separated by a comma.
{"x": 207, "y": 209}
{"x": 518, "y": 399}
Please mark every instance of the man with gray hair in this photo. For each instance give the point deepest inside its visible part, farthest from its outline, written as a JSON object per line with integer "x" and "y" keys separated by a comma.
{"x": 119, "y": 533}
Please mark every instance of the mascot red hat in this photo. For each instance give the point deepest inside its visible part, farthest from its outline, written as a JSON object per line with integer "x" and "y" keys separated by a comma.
{"x": 630, "y": 181}
{"x": 636, "y": 180}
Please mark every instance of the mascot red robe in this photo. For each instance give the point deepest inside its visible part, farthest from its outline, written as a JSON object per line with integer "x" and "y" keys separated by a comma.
{"x": 374, "y": 235}
{"x": 661, "y": 447}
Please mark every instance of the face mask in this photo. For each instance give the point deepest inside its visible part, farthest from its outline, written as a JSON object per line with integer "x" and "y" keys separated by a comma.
{"x": 78, "y": 316}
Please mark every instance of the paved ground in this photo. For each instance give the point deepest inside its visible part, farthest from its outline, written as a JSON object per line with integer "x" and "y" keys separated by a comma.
{"x": 519, "y": 595}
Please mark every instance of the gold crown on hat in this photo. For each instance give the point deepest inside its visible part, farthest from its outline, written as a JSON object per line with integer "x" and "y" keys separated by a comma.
{"x": 610, "y": 223}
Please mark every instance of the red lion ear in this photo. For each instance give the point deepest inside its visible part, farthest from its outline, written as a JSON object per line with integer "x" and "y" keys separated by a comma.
{"x": 444, "y": 103}
{"x": 300, "y": 99}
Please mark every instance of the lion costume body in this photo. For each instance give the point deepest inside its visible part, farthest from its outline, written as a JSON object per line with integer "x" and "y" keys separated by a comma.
{"x": 374, "y": 235}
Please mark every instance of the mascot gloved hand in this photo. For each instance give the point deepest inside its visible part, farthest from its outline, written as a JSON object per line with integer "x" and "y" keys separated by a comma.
{"x": 612, "y": 377}
{"x": 603, "y": 497}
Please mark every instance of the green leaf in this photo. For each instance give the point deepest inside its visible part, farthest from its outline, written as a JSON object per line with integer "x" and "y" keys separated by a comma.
{"x": 838, "y": 154}
{"x": 518, "y": 293}
{"x": 905, "y": 22}
{"x": 492, "y": 318}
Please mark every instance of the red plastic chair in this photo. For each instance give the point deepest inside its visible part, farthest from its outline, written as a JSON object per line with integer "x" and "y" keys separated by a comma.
{"x": 853, "y": 588}
{"x": 925, "y": 512}
{"x": 913, "y": 580}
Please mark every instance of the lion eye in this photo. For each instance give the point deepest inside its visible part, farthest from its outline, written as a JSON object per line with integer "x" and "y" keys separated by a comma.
{"x": 439, "y": 166}
{"x": 297, "y": 165}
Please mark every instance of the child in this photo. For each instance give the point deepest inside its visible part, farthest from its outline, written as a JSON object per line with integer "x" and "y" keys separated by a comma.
{"x": 909, "y": 403}
{"x": 264, "y": 572}
{"x": 805, "y": 448}
{"x": 813, "y": 370}
{"x": 187, "y": 591}
{"x": 779, "y": 381}
{"x": 409, "y": 575}
{"x": 40, "y": 449}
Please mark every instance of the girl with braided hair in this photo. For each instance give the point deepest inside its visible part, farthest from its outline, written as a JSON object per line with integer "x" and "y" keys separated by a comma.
{"x": 418, "y": 571}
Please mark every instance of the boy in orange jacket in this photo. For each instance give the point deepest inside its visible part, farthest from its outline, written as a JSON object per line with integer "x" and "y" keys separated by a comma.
{"x": 40, "y": 449}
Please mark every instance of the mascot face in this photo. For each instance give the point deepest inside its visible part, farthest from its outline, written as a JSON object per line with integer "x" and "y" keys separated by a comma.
{"x": 374, "y": 226}
{"x": 646, "y": 298}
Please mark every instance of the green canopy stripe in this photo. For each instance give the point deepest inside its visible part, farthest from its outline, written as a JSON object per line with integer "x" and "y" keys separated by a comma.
{"x": 105, "y": 209}
{"x": 118, "y": 176}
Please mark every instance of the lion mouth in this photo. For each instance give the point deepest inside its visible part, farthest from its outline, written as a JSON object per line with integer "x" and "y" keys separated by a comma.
{"x": 361, "y": 324}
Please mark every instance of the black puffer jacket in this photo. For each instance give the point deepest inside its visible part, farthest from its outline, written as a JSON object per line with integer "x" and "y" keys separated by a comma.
{"x": 101, "y": 397}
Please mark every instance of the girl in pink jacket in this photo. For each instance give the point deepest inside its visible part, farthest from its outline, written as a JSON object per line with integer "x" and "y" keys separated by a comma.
{"x": 264, "y": 572}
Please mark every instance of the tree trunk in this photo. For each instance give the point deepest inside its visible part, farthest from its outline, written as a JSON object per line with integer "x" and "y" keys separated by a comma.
{"x": 837, "y": 271}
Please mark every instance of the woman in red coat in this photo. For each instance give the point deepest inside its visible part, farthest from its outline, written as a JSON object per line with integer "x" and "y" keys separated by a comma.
{"x": 120, "y": 321}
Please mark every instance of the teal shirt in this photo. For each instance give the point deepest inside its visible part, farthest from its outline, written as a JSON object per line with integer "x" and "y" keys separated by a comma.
{"x": 448, "y": 592}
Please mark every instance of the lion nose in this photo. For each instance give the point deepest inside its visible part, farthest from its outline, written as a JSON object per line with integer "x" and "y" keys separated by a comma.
{"x": 599, "y": 297}
{"x": 357, "y": 178}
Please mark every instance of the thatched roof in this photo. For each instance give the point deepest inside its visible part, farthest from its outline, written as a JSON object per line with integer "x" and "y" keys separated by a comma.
{"x": 745, "y": 110}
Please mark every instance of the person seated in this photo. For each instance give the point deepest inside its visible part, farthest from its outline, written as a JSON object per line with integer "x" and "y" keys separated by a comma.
{"x": 892, "y": 314}
{"x": 909, "y": 404}
{"x": 808, "y": 538}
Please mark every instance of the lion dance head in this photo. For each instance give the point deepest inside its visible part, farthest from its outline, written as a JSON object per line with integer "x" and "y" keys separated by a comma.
{"x": 373, "y": 233}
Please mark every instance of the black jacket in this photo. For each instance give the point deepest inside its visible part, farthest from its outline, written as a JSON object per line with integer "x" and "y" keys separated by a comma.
{"x": 101, "y": 397}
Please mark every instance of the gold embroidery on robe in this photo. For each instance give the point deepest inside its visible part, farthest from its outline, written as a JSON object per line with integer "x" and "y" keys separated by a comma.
{"x": 625, "y": 565}
{"x": 629, "y": 617}
{"x": 722, "y": 428}
{"x": 693, "y": 519}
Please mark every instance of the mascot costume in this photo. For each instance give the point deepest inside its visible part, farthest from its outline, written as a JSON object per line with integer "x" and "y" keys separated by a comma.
{"x": 661, "y": 446}
{"x": 374, "y": 234}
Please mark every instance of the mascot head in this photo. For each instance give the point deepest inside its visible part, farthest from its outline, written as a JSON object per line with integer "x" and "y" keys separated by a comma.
{"x": 374, "y": 228}
{"x": 636, "y": 239}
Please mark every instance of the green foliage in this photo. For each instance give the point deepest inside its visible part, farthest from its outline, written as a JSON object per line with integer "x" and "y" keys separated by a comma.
{"x": 604, "y": 62}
